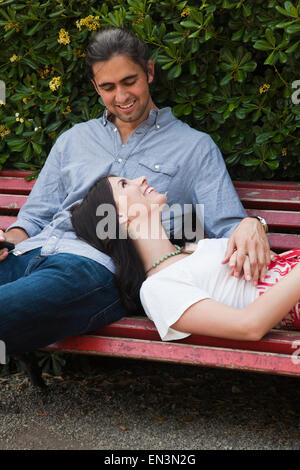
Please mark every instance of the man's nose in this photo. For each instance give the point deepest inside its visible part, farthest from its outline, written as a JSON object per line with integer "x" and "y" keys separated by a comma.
{"x": 121, "y": 95}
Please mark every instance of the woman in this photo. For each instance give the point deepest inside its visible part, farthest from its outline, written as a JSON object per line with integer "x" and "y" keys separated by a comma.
{"x": 182, "y": 293}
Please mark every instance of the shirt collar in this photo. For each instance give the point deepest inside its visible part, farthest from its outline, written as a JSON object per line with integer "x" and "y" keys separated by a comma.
{"x": 157, "y": 117}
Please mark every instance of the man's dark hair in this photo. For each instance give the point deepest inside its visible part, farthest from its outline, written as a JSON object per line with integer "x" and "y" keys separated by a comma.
{"x": 110, "y": 42}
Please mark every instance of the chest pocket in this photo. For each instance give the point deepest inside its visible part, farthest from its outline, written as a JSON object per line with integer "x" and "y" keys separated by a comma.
{"x": 159, "y": 175}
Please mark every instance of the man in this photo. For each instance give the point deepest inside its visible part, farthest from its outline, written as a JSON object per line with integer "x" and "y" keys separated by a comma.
{"x": 54, "y": 285}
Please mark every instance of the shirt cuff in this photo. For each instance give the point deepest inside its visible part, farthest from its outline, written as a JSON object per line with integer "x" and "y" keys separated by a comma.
{"x": 30, "y": 228}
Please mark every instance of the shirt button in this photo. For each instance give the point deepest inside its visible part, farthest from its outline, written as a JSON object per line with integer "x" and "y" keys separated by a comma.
{"x": 156, "y": 167}
{"x": 158, "y": 126}
{"x": 115, "y": 129}
{"x": 120, "y": 160}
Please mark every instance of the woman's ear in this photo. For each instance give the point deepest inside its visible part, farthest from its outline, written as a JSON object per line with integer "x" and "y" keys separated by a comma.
{"x": 123, "y": 220}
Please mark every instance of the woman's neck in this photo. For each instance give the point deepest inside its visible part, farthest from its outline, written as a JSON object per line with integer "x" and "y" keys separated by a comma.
{"x": 152, "y": 244}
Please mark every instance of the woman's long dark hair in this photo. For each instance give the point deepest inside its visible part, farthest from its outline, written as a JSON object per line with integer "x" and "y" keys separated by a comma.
{"x": 129, "y": 269}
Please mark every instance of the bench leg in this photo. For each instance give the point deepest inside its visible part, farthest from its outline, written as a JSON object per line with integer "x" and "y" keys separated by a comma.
{"x": 29, "y": 362}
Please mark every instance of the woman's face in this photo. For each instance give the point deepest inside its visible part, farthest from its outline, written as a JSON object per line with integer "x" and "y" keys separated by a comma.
{"x": 135, "y": 197}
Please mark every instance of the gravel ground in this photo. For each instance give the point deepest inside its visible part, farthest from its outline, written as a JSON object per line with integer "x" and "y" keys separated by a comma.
{"x": 132, "y": 405}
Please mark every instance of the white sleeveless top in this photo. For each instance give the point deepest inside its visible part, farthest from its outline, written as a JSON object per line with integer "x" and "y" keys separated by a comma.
{"x": 168, "y": 293}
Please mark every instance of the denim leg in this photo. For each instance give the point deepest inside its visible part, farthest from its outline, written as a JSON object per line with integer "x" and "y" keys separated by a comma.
{"x": 59, "y": 296}
{"x": 14, "y": 267}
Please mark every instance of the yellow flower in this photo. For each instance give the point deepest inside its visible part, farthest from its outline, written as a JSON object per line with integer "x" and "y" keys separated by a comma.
{"x": 44, "y": 73}
{"x": 55, "y": 83}
{"x": 67, "y": 110}
{"x": 64, "y": 37}
{"x": 12, "y": 25}
{"x": 264, "y": 88}
{"x": 185, "y": 12}
{"x": 139, "y": 20}
{"x": 284, "y": 152}
{"x": 90, "y": 22}
{"x": 14, "y": 58}
{"x": 79, "y": 53}
{"x": 4, "y": 131}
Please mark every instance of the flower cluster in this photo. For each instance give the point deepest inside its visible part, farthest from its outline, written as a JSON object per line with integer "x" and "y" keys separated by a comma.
{"x": 185, "y": 12}
{"x": 14, "y": 58}
{"x": 140, "y": 18}
{"x": 12, "y": 25}
{"x": 284, "y": 152}
{"x": 90, "y": 22}
{"x": 79, "y": 53}
{"x": 64, "y": 37}
{"x": 55, "y": 83}
{"x": 67, "y": 110}
{"x": 4, "y": 131}
{"x": 264, "y": 88}
{"x": 18, "y": 119}
{"x": 46, "y": 72}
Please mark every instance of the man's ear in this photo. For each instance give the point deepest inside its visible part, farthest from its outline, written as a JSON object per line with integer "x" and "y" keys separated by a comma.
{"x": 150, "y": 70}
{"x": 95, "y": 86}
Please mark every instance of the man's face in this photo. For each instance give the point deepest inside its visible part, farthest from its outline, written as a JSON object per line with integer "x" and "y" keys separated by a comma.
{"x": 124, "y": 88}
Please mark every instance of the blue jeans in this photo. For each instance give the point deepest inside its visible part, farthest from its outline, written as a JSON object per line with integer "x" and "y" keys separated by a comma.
{"x": 47, "y": 298}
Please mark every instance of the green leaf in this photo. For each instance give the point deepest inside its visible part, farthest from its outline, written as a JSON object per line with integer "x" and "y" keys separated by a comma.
{"x": 272, "y": 165}
{"x": 292, "y": 48}
{"x": 272, "y": 58}
{"x": 57, "y": 13}
{"x": 262, "y": 45}
{"x": 294, "y": 28}
{"x": 264, "y": 137}
{"x": 174, "y": 72}
{"x": 226, "y": 79}
{"x": 34, "y": 29}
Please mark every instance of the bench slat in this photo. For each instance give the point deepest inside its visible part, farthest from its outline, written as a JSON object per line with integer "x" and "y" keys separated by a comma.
{"x": 6, "y": 221}
{"x": 270, "y": 198}
{"x": 9, "y": 202}
{"x": 286, "y": 185}
{"x": 286, "y": 219}
{"x": 10, "y": 185}
{"x": 284, "y": 242}
{"x": 179, "y": 353}
{"x": 277, "y": 341}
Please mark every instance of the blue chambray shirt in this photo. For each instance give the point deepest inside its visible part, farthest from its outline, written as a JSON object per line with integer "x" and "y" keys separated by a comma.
{"x": 175, "y": 158}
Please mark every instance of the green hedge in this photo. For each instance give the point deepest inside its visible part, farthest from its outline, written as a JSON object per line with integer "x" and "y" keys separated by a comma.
{"x": 227, "y": 67}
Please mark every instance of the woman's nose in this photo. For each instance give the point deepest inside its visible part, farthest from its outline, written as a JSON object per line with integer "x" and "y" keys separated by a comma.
{"x": 141, "y": 180}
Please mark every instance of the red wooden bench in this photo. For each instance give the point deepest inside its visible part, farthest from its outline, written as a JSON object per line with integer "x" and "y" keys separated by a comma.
{"x": 136, "y": 337}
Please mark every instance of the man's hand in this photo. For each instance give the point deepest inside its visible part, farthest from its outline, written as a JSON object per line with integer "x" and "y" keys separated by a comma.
{"x": 15, "y": 235}
{"x": 248, "y": 251}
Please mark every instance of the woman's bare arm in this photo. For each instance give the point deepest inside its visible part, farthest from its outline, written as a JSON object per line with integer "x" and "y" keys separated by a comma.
{"x": 212, "y": 318}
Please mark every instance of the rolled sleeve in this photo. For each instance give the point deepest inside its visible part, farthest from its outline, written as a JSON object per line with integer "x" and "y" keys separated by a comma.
{"x": 44, "y": 200}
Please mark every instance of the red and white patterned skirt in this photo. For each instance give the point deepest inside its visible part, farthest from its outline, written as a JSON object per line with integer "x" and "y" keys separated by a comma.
{"x": 279, "y": 267}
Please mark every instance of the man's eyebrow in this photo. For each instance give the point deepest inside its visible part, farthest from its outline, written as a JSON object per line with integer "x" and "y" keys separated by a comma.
{"x": 129, "y": 77}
